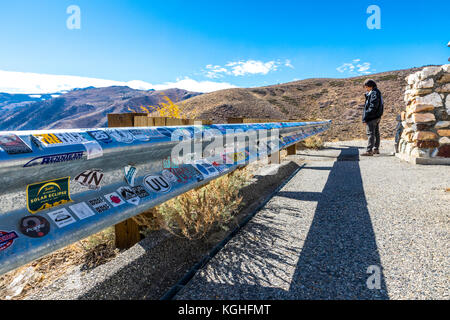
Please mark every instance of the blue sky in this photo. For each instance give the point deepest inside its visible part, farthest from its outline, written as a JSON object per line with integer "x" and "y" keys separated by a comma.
{"x": 215, "y": 44}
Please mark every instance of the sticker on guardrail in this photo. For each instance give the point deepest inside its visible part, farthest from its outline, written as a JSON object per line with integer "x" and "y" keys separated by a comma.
{"x": 129, "y": 195}
{"x": 61, "y": 217}
{"x": 99, "y": 204}
{"x": 59, "y": 139}
{"x": 13, "y": 144}
{"x": 34, "y": 226}
{"x": 114, "y": 199}
{"x": 91, "y": 179}
{"x": 7, "y": 239}
{"x": 140, "y": 134}
{"x": 206, "y": 169}
{"x": 157, "y": 183}
{"x": 55, "y": 158}
{"x": 47, "y": 194}
{"x": 100, "y": 135}
{"x": 130, "y": 174}
{"x": 121, "y": 135}
{"x": 82, "y": 210}
{"x": 140, "y": 191}
{"x": 93, "y": 149}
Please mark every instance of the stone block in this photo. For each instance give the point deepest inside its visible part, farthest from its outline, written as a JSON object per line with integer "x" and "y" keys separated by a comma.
{"x": 442, "y": 124}
{"x": 444, "y": 89}
{"x": 428, "y": 72}
{"x": 444, "y": 140}
{"x": 445, "y": 78}
{"x": 423, "y": 117}
{"x": 429, "y": 83}
{"x": 424, "y": 136}
{"x": 416, "y": 107}
{"x": 422, "y": 127}
{"x": 426, "y": 144}
{"x": 433, "y": 99}
{"x": 444, "y": 151}
{"x": 444, "y": 132}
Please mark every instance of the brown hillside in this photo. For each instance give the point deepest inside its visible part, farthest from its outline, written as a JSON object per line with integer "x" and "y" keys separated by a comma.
{"x": 340, "y": 100}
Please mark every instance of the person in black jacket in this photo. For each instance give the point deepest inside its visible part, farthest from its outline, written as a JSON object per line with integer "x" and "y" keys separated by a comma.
{"x": 373, "y": 110}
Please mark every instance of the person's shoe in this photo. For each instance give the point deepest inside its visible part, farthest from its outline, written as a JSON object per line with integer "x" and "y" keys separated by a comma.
{"x": 376, "y": 151}
{"x": 367, "y": 154}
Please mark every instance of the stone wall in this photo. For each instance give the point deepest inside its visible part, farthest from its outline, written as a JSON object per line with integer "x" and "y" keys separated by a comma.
{"x": 426, "y": 121}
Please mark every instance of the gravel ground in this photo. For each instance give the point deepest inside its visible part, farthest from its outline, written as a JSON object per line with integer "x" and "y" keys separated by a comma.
{"x": 340, "y": 215}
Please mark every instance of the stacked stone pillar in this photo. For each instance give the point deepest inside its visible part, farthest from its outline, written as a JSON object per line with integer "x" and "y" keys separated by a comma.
{"x": 426, "y": 121}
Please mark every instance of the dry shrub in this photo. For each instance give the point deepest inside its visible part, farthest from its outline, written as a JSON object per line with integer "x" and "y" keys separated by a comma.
{"x": 149, "y": 221}
{"x": 195, "y": 212}
{"x": 313, "y": 142}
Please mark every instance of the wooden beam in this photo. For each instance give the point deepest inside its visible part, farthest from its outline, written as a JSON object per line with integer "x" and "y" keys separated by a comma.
{"x": 235, "y": 120}
{"x": 127, "y": 234}
{"x": 116, "y": 120}
{"x": 292, "y": 150}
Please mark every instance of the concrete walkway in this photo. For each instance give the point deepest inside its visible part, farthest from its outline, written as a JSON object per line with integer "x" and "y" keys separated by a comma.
{"x": 338, "y": 222}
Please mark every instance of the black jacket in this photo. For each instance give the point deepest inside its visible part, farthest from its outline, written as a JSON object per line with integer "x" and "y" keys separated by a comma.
{"x": 374, "y": 106}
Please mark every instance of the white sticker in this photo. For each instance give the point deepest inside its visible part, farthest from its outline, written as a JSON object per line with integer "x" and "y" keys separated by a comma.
{"x": 114, "y": 199}
{"x": 99, "y": 204}
{"x": 157, "y": 183}
{"x": 140, "y": 134}
{"x": 90, "y": 178}
{"x": 82, "y": 210}
{"x": 71, "y": 137}
{"x": 94, "y": 149}
{"x": 121, "y": 135}
{"x": 169, "y": 176}
{"x": 61, "y": 217}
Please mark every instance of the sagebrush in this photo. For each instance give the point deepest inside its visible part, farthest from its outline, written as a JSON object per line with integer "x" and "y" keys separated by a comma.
{"x": 195, "y": 212}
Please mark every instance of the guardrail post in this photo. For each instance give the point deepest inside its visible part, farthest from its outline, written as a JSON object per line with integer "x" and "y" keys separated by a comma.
{"x": 127, "y": 232}
{"x": 292, "y": 150}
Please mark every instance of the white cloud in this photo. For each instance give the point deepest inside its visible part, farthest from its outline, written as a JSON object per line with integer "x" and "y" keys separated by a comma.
{"x": 242, "y": 68}
{"x": 355, "y": 67}
{"x": 288, "y": 64}
{"x": 36, "y": 83}
{"x": 194, "y": 85}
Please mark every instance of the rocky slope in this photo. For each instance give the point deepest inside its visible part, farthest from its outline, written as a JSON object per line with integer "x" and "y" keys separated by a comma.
{"x": 82, "y": 108}
{"x": 340, "y": 100}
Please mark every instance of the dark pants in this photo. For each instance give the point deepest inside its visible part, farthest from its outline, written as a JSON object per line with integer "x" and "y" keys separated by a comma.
{"x": 398, "y": 134}
{"x": 373, "y": 132}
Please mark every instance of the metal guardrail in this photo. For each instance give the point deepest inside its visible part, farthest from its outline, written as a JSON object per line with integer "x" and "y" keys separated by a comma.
{"x": 60, "y": 186}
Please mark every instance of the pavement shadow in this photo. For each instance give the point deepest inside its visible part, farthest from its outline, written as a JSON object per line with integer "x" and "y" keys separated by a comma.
{"x": 332, "y": 264}
{"x": 341, "y": 244}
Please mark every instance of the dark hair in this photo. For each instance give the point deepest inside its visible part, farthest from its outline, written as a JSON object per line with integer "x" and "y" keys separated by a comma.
{"x": 370, "y": 83}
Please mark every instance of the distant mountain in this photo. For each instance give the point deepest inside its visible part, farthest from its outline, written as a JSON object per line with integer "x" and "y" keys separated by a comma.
{"x": 79, "y": 108}
{"x": 341, "y": 100}
{"x": 9, "y": 101}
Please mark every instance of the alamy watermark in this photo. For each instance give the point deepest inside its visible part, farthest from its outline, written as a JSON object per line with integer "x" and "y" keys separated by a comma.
{"x": 73, "y": 22}
{"x": 374, "y": 280}
{"x": 374, "y": 20}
